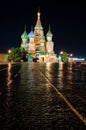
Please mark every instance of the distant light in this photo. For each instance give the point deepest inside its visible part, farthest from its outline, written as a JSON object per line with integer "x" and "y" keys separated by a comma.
{"x": 79, "y": 59}
{"x": 61, "y": 52}
{"x": 71, "y": 54}
{"x": 9, "y": 51}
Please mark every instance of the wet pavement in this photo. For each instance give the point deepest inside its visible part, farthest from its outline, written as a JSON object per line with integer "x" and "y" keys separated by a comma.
{"x": 41, "y": 96}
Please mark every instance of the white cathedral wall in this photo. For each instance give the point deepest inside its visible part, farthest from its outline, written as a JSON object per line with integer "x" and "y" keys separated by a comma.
{"x": 31, "y": 40}
{"x": 31, "y": 47}
{"x": 49, "y": 38}
{"x": 23, "y": 43}
{"x": 24, "y": 40}
{"x": 49, "y": 47}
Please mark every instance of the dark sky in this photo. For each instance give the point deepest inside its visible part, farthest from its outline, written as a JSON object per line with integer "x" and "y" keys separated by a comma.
{"x": 67, "y": 21}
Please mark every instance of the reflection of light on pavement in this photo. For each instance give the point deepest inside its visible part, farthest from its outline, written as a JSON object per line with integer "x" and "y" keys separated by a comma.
{"x": 70, "y": 74}
{"x": 70, "y": 66}
{"x": 9, "y": 80}
{"x": 30, "y": 75}
{"x": 60, "y": 74}
{"x": 60, "y": 65}
{"x": 48, "y": 68}
{"x": 9, "y": 74}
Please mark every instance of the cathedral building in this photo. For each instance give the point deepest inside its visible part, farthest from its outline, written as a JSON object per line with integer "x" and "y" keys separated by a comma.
{"x": 37, "y": 45}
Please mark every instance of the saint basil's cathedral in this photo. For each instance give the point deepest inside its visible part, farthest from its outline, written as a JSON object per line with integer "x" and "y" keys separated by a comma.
{"x": 37, "y": 45}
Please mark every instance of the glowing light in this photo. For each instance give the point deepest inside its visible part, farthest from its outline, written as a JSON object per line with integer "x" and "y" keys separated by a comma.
{"x": 61, "y": 52}
{"x": 9, "y": 51}
{"x": 71, "y": 54}
{"x": 78, "y": 59}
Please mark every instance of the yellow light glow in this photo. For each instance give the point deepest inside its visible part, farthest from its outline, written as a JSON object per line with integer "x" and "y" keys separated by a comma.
{"x": 61, "y": 52}
{"x": 9, "y": 51}
{"x": 71, "y": 54}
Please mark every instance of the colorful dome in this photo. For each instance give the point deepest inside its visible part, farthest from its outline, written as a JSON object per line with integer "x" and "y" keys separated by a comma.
{"x": 31, "y": 34}
{"x": 24, "y": 35}
{"x": 42, "y": 39}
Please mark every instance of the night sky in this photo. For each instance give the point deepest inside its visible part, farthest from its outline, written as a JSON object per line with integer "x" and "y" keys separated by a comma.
{"x": 67, "y": 21}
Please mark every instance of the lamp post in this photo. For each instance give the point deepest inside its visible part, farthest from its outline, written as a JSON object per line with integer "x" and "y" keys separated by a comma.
{"x": 9, "y": 58}
{"x": 70, "y": 57}
{"x": 9, "y": 51}
{"x": 61, "y": 52}
{"x": 60, "y": 56}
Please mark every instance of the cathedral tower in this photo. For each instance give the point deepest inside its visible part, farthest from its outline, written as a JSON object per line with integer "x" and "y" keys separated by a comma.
{"x": 31, "y": 43}
{"x": 49, "y": 43}
{"x": 24, "y": 38}
{"x": 38, "y": 30}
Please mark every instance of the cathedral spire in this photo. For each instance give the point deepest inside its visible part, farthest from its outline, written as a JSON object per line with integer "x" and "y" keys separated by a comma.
{"x": 49, "y": 28}
{"x": 49, "y": 34}
{"x": 25, "y": 27}
{"x": 31, "y": 27}
{"x": 38, "y": 30}
{"x": 38, "y": 23}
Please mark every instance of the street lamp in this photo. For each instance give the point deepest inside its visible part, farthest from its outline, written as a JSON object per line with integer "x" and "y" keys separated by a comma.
{"x": 60, "y": 56}
{"x": 61, "y": 52}
{"x": 9, "y": 51}
{"x": 70, "y": 57}
{"x": 9, "y": 58}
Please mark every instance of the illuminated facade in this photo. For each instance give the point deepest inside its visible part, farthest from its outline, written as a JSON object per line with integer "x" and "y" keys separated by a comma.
{"x": 37, "y": 45}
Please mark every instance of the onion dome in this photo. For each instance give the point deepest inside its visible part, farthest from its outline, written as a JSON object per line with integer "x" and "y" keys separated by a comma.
{"x": 24, "y": 35}
{"x": 42, "y": 39}
{"x": 31, "y": 34}
{"x": 49, "y": 34}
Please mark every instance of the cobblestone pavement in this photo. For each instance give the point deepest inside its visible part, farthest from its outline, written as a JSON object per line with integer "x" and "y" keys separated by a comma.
{"x": 42, "y": 96}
